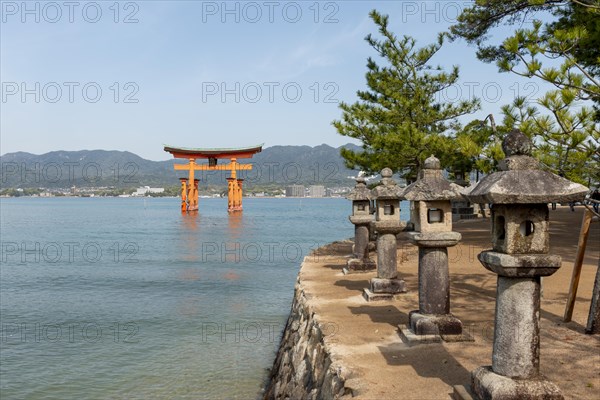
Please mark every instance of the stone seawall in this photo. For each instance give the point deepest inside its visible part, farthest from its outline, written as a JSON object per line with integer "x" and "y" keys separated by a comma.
{"x": 304, "y": 367}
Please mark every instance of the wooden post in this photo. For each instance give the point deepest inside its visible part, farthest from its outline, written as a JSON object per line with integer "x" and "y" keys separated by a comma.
{"x": 234, "y": 201}
{"x": 196, "y": 181}
{"x": 230, "y": 194}
{"x": 583, "y": 236}
{"x": 240, "y": 193}
{"x": 183, "y": 194}
{"x": 233, "y": 166}
{"x": 192, "y": 197}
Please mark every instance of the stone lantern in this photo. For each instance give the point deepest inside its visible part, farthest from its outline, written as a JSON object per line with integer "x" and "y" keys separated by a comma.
{"x": 387, "y": 226}
{"x": 431, "y": 215}
{"x": 361, "y": 218}
{"x": 519, "y": 195}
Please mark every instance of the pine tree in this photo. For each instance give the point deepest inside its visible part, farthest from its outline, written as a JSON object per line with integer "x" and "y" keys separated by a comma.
{"x": 566, "y": 137}
{"x": 564, "y": 51}
{"x": 402, "y": 119}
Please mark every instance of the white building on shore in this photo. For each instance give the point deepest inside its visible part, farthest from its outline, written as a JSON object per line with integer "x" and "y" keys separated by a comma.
{"x": 144, "y": 190}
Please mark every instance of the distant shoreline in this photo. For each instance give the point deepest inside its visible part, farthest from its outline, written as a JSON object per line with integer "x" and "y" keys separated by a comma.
{"x": 161, "y": 197}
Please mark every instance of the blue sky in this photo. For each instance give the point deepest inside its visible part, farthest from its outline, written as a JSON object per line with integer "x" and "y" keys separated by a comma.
{"x": 204, "y": 73}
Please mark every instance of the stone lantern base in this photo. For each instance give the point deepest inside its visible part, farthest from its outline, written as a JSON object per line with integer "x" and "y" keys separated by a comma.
{"x": 356, "y": 265}
{"x": 384, "y": 289}
{"x": 485, "y": 384}
{"x": 424, "y": 328}
{"x": 433, "y": 321}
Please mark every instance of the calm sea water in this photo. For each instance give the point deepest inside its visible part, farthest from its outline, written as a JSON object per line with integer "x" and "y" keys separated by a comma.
{"x": 127, "y": 298}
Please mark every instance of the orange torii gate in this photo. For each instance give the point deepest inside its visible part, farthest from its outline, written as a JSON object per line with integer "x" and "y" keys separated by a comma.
{"x": 189, "y": 186}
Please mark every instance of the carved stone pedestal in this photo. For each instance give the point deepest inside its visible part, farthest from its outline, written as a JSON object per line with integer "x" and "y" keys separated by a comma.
{"x": 433, "y": 321}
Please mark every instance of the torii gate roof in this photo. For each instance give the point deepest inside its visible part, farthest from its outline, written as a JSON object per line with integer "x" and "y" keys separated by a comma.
{"x": 189, "y": 152}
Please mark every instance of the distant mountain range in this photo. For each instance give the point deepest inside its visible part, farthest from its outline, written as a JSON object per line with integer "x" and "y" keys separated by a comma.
{"x": 277, "y": 165}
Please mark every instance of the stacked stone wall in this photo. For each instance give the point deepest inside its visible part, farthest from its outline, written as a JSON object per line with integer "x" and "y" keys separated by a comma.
{"x": 304, "y": 367}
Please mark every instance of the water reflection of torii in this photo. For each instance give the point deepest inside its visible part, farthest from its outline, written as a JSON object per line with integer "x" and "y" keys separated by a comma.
{"x": 190, "y": 228}
{"x": 189, "y": 186}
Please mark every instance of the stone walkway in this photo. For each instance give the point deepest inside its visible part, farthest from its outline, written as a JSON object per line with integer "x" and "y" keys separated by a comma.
{"x": 364, "y": 339}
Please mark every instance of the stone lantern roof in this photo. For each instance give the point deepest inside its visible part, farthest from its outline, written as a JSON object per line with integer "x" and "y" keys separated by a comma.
{"x": 520, "y": 181}
{"x": 389, "y": 189}
{"x": 431, "y": 185}
{"x": 360, "y": 191}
